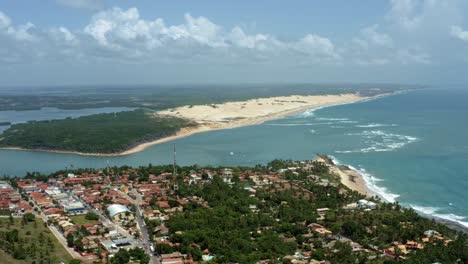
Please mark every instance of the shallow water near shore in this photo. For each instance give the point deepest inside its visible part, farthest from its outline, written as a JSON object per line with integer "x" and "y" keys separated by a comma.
{"x": 411, "y": 148}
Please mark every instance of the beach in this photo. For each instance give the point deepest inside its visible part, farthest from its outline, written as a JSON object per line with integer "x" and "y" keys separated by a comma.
{"x": 230, "y": 115}
{"x": 348, "y": 177}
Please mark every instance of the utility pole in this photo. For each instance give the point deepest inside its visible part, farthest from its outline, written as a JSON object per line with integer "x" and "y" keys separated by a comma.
{"x": 174, "y": 172}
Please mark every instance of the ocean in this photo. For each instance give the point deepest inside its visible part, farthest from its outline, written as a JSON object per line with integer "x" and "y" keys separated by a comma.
{"x": 410, "y": 147}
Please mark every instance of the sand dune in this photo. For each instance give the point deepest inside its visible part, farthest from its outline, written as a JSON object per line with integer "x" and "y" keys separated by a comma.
{"x": 235, "y": 114}
{"x": 252, "y": 110}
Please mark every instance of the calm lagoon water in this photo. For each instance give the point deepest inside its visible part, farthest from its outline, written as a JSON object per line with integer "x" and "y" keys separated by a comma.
{"x": 50, "y": 113}
{"x": 411, "y": 148}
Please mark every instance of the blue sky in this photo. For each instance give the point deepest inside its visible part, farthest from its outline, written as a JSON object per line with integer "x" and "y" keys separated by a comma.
{"x": 73, "y": 42}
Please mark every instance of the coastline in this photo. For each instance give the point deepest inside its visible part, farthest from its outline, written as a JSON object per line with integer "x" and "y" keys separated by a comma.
{"x": 215, "y": 125}
{"x": 354, "y": 180}
{"x": 349, "y": 177}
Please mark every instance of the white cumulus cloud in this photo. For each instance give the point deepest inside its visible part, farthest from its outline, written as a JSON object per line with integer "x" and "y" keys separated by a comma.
{"x": 459, "y": 33}
{"x": 123, "y": 35}
{"x": 317, "y": 47}
{"x": 405, "y": 13}
{"x": 4, "y": 20}
{"x": 372, "y": 36}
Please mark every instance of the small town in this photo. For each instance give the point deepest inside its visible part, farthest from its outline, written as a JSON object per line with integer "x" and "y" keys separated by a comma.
{"x": 286, "y": 212}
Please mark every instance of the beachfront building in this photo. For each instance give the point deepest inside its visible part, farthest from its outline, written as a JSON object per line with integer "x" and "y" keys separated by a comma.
{"x": 119, "y": 212}
{"x": 363, "y": 203}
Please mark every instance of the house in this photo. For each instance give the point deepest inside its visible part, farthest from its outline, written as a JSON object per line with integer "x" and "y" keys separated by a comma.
{"x": 321, "y": 230}
{"x": 208, "y": 257}
{"x": 398, "y": 249}
{"x": 227, "y": 176}
{"x": 363, "y": 203}
{"x": 152, "y": 214}
{"x": 322, "y": 212}
{"x": 414, "y": 245}
{"x": 64, "y": 224}
{"x": 53, "y": 211}
{"x": 173, "y": 258}
{"x": 28, "y": 186}
{"x": 163, "y": 204}
{"x": 194, "y": 178}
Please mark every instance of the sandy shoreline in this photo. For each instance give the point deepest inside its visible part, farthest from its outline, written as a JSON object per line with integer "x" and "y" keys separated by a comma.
{"x": 348, "y": 177}
{"x": 354, "y": 180}
{"x": 230, "y": 115}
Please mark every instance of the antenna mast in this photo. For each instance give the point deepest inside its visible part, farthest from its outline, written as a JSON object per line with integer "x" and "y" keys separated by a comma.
{"x": 174, "y": 172}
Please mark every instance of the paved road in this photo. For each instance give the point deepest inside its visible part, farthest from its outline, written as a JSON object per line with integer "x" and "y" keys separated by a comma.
{"x": 141, "y": 223}
{"x": 104, "y": 219}
{"x": 58, "y": 234}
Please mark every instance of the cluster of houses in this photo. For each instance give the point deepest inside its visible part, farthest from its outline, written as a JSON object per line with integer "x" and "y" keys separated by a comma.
{"x": 12, "y": 201}
{"x": 62, "y": 199}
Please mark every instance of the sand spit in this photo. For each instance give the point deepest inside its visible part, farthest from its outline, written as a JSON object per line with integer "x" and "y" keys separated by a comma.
{"x": 231, "y": 115}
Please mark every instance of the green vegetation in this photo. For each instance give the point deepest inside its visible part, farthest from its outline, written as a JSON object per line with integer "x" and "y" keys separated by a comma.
{"x": 91, "y": 216}
{"x": 233, "y": 232}
{"x": 239, "y": 225}
{"x": 135, "y": 255}
{"x": 102, "y": 133}
{"x": 83, "y": 219}
{"x": 5, "y": 123}
{"x": 229, "y": 229}
{"x": 163, "y": 97}
{"x": 28, "y": 240}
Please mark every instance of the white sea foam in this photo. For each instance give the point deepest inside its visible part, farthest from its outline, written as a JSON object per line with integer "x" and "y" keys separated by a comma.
{"x": 454, "y": 218}
{"x": 380, "y": 141}
{"x": 331, "y": 119}
{"x": 348, "y": 122}
{"x": 372, "y": 183}
{"x": 292, "y": 124}
{"x": 299, "y": 124}
{"x": 312, "y": 131}
{"x": 307, "y": 113}
{"x": 435, "y": 212}
{"x": 371, "y": 125}
{"x": 310, "y": 112}
{"x": 425, "y": 209}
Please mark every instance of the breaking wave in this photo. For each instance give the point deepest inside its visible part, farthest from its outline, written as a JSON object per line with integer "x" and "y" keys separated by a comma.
{"x": 433, "y": 211}
{"x": 376, "y": 125}
{"x": 297, "y": 124}
{"x": 332, "y": 119}
{"x": 348, "y": 122}
{"x": 307, "y": 113}
{"x": 372, "y": 183}
{"x": 380, "y": 141}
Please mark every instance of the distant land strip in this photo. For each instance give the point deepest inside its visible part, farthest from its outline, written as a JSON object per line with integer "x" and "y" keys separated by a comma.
{"x": 129, "y": 132}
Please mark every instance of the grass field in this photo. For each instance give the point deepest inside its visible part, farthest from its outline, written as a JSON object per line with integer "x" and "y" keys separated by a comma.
{"x": 81, "y": 220}
{"x": 33, "y": 239}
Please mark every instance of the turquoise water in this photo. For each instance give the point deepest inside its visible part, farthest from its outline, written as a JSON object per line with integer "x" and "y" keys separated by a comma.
{"x": 411, "y": 148}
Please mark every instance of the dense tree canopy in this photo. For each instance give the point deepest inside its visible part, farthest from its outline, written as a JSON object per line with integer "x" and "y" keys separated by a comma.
{"x": 101, "y": 133}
